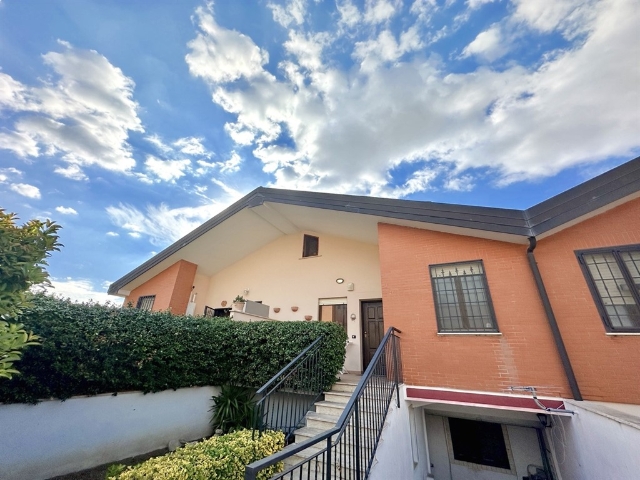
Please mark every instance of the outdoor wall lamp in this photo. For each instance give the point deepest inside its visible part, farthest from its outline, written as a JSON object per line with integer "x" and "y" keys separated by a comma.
{"x": 340, "y": 281}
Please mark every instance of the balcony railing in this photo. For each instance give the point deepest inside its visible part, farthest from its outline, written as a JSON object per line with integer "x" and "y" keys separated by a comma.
{"x": 290, "y": 394}
{"x": 347, "y": 450}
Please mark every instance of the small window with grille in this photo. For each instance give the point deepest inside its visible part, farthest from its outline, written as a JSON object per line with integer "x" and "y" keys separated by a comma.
{"x": 462, "y": 300}
{"x": 146, "y": 302}
{"x": 310, "y": 246}
{"x": 613, "y": 276}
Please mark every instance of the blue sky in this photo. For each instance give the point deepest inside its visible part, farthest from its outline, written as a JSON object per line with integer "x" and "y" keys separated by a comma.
{"x": 130, "y": 123}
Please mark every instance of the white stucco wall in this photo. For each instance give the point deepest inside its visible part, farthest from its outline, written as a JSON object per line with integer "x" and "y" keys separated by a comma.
{"x": 402, "y": 451}
{"x": 200, "y": 289}
{"x": 278, "y": 276}
{"x": 54, "y": 438}
{"x": 598, "y": 442}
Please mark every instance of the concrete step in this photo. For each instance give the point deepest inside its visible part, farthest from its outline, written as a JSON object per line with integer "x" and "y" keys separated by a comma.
{"x": 330, "y": 408}
{"x": 344, "y": 386}
{"x": 337, "y": 397}
{"x": 321, "y": 421}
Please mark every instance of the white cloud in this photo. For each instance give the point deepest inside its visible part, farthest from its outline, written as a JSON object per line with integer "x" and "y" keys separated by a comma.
{"x": 161, "y": 224}
{"x": 385, "y": 48}
{"x": 489, "y": 44}
{"x": 66, "y": 210}
{"x": 191, "y": 146}
{"x": 26, "y": 190}
{"x": 84, "y": 114}
{"x": 7, "y": 173}
{"x": 473, "y": 4}
{"x": 349, "y": 129}
{"x": 568, "y": 15}
{"x": 231, "y": 165}
{"x": 460, "y": 184}
{"x": 113, "y": 234}
{"x": 19, "y": 143}
{"x": 293, "y": 12}
{"x": 167, "y": 170}
{"x": 73, "y": 172}
{"x": 221, "y": 55}
{"x": 379, "y": 11}
{"x": 157, "y": 141}
{"x": 349, "y": 14}
{"x": 81, "y": 290}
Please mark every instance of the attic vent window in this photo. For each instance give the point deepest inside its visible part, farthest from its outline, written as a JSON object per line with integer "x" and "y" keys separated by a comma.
{"x": 310, "y": 246}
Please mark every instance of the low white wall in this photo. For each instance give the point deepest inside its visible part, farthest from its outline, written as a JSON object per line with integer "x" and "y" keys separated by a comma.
{"x": 54, "y": 438}
{"x": 598, "y": 442}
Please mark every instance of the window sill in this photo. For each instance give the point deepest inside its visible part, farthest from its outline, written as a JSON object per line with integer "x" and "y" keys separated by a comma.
{"x": 310, "y": 256}
{"x": 470, "y": 333}
{"x": 616, "y": 334}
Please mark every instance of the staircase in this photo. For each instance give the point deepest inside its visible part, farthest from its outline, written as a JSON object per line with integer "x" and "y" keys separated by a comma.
{"x": 341, "y": 436}
{"x": 325, "y": 417}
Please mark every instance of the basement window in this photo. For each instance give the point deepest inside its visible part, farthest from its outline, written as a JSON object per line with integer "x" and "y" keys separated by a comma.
{"x": 462, "y": 300}
{"x": 146, "y": 302}
{"x": 613, "y": 276}
{"x": 310, "y": 246}
{"x": 473, "y": 442}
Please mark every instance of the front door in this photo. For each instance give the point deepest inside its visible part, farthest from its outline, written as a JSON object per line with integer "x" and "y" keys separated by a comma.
{"x": 372, "y": 330}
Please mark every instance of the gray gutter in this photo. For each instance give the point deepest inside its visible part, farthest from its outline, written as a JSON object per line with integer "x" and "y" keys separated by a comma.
{"x": 574, "y": 203}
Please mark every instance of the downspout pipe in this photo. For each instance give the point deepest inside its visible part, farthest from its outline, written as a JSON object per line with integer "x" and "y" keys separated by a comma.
{"x": 551, "y": 318}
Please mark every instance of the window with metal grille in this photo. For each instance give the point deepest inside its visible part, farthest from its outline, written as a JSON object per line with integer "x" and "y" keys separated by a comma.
{"x": 310, "y": 246}
{"x": 613, "y": 275}
{"x": 146, "y": 302}
{"x": 462, "y": 298}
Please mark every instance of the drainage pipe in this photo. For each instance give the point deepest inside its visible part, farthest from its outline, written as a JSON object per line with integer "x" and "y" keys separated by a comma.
{"x": 551, "y": 318}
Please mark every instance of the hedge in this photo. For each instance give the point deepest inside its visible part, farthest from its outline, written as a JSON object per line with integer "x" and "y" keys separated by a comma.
{"x": 89, "y": 349}
{"x": 221, "y": 457}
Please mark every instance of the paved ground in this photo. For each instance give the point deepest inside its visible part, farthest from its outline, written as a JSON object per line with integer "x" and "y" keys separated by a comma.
{"x": 98, "y": 473}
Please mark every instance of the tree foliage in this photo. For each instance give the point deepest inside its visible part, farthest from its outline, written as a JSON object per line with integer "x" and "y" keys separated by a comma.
{"x": 23, "y": 253}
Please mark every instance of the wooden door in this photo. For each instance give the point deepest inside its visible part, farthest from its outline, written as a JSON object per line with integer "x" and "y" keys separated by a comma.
{"x": 372, "y": 330}
{"x": 334, "y": 313}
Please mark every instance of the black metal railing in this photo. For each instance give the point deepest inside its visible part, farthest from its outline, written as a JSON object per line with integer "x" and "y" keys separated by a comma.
{"x": 290, "y": 394}
{"x": 346, "y": 452}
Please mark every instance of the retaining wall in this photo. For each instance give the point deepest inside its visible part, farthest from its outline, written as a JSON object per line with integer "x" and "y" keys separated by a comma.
{"x": 54, "y": 438}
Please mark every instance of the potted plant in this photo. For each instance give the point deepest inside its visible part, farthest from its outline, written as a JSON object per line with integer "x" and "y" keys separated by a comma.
{"x": 238, "y": 303}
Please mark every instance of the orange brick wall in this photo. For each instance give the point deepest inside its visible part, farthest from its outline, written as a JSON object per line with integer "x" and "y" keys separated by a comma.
{"x": 171, "y": 287}
{"x": 607, "y": 367}
{"x": 523, "y": 355}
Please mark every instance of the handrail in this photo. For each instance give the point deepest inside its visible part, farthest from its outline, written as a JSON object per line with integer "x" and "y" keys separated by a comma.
{"x": 292, "y": 362}
{"x": 351, "y": 411}
{"x": 290, "y": 393}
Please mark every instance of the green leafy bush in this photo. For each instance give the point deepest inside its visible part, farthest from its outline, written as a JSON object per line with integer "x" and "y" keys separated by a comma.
{"x": 234, "y": 408}
{"x": 89, "y": 349}
{"x": 221, "y": 458}
{"x": 23, "y": 253}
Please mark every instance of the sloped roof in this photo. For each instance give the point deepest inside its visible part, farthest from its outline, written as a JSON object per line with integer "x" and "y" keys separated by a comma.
{"x": 561, "y": 210}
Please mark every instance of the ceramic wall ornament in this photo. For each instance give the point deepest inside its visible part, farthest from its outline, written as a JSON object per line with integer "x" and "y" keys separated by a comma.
{"x": 307, "y": 317}
{"x": 276, "y": 309}
{"x": 223, "y": 303}
{"x": 294, "y": 309}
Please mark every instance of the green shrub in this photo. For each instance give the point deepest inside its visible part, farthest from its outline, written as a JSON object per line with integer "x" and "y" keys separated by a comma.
{"x": 234, "y": 408}
{"x": 216, "y": 458}
{"x": 89, "y": 349}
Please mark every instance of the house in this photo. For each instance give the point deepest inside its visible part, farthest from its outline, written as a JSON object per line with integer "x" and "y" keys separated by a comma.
{"x": 520, "y": 328}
